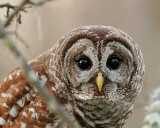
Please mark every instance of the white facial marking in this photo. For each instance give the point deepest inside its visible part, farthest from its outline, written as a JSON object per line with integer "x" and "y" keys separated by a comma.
{"x": 2, "y": 121}
{"x": 84, "y": 96}
{"x": 106, "y": 53}
{"x": 13, "y": 112}
{"x": 86, "y": 48}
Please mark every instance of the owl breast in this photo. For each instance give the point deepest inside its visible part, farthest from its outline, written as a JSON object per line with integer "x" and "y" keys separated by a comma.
{"x": 102, "y": 113}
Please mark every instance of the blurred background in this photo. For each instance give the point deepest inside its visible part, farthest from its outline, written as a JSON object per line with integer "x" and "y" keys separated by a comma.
{"x": 42, "y": 26}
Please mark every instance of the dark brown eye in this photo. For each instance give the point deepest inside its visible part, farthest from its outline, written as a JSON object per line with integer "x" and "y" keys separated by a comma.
{"x": 113, "y": 62}
{"x": 84, "y": 63}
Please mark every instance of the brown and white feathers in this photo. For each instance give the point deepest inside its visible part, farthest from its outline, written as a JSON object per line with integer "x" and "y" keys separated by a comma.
{"x": 96, "y": 72}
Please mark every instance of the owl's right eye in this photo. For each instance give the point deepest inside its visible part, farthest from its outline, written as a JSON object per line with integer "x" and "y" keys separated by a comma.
{"x": 84, "y": 63}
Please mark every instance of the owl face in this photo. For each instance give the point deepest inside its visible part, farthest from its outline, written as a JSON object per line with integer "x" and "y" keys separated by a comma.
{"x": 100, "y": 70}
{"x": 97, "y": 62}
{"x": 97, "y": 69}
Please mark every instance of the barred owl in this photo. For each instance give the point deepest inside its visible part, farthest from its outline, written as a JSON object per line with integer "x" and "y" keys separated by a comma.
{"x": 95, "y": 72}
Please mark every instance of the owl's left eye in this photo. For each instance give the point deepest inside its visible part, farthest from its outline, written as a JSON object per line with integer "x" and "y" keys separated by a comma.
{"x": 113, "y": 62}
{"x": 84, "y": 63}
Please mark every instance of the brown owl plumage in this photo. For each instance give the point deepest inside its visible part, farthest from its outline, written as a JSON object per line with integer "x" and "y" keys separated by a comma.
{"x": 95, "y": 72}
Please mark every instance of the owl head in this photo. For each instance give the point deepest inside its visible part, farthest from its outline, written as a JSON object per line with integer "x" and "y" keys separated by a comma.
{"x": 98, "y": 68}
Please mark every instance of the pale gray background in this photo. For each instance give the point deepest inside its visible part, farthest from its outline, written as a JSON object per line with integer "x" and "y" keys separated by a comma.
{"x": 139, "y": 18}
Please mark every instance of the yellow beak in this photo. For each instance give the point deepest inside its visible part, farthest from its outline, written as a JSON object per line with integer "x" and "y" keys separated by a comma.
{"x": 99, "y": 81}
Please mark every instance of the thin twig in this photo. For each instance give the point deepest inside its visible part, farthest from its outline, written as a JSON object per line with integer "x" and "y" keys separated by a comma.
{"x": 20, "y": 8}
{"x": 50, "y": 100}
{"x": 10, "y": 6}
{"x": 17, "y": 10}
{"x": 13, "y": 7}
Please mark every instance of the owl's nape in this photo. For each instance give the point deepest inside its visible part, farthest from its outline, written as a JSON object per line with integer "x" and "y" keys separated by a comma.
{"x": 96, "y": 72}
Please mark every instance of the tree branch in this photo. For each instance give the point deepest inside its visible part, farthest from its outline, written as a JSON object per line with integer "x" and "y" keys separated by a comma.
{"x": 9, "y": 6}
{"x": 17, "y": 10}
